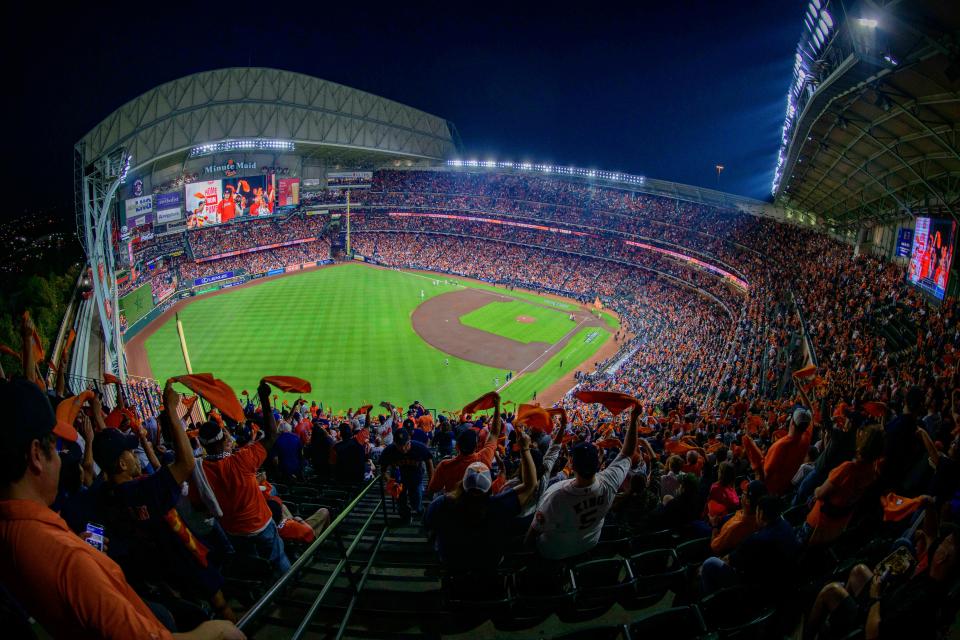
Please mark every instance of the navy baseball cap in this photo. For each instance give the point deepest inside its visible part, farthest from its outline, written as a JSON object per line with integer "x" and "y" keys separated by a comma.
{"x": 29, "y": 415}
{"x": 467, "y": 441}
{"x": 402, "y": 436}
{"x": 110, "y": 445}
{"x": 756, "y": 490}
{"x": 585, "y": 460}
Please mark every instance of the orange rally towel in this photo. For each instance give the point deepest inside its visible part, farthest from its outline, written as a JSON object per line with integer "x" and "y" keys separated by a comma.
{"x": 896, "y": 508}
{"x": 394, "y": 488}
{"x": 805, "y": 372}
{"x": 534, "y": 416}
{"x": 216, "y": 392}
{"x": 289, "y": 383}
{"x": 486, "y": 401}
{"x": 616, "y": 403}
{"x": 609, "y": 443}
{"x": 109, "y": 378}
{"x": 68, "y": 408}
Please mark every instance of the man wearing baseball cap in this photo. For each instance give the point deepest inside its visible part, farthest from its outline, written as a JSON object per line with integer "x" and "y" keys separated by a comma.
{"x": 469, "y": 523}
{"x": 449, "y": 473}
{"x": 407, "y": 457}
{"x": 571, "y": 513}
{"x": 148, "y": 539}
{"x": 69, "y": 587}
{"x": 786, "y": 454}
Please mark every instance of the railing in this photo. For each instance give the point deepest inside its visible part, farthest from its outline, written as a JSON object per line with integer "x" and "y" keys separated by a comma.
{"x": 306, "y": 558}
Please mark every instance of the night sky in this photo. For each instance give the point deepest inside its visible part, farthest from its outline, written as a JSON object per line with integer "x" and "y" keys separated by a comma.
{"x": 663, "y": 91}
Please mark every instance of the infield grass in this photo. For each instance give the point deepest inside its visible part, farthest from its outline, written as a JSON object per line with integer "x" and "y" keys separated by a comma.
{"x": 502, "y": 318}
{"x": 347, "y": 329}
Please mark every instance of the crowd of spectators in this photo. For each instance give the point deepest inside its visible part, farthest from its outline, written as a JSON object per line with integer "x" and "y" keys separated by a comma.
{"x": 782, "y": 468}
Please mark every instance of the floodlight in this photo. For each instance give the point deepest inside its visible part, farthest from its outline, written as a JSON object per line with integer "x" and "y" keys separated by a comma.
{"x": 868, "y": 23}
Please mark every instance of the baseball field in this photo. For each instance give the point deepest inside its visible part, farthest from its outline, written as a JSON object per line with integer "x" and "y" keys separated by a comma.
{"x": 363, "y": 334}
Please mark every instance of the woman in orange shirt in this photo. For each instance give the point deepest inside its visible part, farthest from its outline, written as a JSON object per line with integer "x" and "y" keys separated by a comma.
{"x": 837, "y": 497}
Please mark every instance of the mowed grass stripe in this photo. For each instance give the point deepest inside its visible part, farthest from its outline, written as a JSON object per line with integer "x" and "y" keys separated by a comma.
{"x": 346, "y": 329}
{"x": 575, "y": 354}
{"x": 501, "y": 318}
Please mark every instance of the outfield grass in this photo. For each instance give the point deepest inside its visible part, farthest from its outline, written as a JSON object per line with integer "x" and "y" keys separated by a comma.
{"x": 575, "y": 355}
{"x": 501, "y": 318}
{"x": 346, "y": 329}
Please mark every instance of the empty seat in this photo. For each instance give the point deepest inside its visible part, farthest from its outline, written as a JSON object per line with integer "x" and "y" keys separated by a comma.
{"x": 652, "y": 540}
{"x": 678, "y": 623}
{"x": 656, "y": 572}
{"x": 599, "y": 583}
{"x": 692, "y": 553}
{"x": 737, "y": 612}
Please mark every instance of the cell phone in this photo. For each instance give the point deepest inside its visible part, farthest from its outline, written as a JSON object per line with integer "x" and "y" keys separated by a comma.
{"x": 95, "y": 539}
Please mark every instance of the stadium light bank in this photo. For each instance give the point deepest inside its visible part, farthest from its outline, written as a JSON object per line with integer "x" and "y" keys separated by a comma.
{"x": 249, "y": 144}
{"x": 546, "y": 168}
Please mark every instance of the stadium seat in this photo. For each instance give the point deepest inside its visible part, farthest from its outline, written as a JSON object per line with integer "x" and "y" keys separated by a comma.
{"x": 613, "y": 541}
{"x": 737, "y": 612}
{"x": 616, "y": 632}
{"x": 539, "y": 592}
{"x": 476, "y": 594}
{"x": 678, "y": 623}
{"x": 652, "y": 540}
{"x": 656, "y": 572}
{"x": 304, "y": 492}
{"x": 692, "y": 553}
{"x": 599, "y": 583}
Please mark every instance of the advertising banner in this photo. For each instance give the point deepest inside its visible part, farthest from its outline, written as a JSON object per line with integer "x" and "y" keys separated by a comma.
{"x": 349, "y": 179}
{"x": 289, "y": 192}
{"x": 208, "y": 279}
{"x": 167, "y": 207}
{"x": 203, "y": 200}
{"x": 138, "y": 208}
{"x": 904, "y": 242}
{"x": 311, "y": 183}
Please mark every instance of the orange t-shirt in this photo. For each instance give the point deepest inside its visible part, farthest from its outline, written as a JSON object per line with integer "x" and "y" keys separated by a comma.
{"x": 850, "y": 481}
{"x": 449, "y": 473}
{"x": 733, "y": 532}
{"x": 73, "y": 590}
{"x": 234, "y": 482}
{"x": 782, "y": 461}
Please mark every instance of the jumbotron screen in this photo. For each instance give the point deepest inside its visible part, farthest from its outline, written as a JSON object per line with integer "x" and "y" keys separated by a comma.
{"x": 932, "y": 255}
{"x": 213, "y": 202}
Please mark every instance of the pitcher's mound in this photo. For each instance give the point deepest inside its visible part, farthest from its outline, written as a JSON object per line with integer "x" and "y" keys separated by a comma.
{"x": 526, "y": 319}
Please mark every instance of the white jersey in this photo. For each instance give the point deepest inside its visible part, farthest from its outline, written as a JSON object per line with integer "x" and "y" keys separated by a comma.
{"x": 570, "y": 518}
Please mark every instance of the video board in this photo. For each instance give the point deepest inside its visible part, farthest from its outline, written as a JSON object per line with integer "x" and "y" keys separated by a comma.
{"x": 932, "y": 255}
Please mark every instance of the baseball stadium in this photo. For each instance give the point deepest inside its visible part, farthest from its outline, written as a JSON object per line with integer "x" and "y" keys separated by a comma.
{"x": 325, "y": 374}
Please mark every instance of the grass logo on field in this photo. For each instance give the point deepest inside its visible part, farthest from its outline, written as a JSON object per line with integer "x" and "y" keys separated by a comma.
{"x": 591, "y": 337}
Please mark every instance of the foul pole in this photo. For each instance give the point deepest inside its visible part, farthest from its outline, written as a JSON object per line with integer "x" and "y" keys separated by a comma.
{"x": 183, "y": 345}
{"x": 348, "y": 224}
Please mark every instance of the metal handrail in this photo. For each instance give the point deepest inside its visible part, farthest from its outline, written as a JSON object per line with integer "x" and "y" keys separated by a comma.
{"x": 306, "y": 557}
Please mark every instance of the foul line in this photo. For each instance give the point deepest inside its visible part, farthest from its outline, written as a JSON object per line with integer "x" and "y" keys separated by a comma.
{"x": 551, "y": 348}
